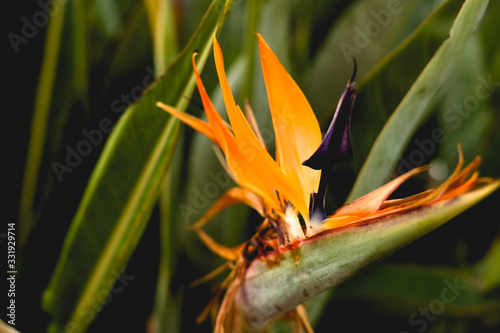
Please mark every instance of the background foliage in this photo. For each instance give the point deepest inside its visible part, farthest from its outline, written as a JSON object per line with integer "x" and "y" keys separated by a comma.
{"x": 69, "y": 74}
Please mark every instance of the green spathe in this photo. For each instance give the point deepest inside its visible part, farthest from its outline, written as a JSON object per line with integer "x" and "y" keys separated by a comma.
{"x": 315, "y": 264}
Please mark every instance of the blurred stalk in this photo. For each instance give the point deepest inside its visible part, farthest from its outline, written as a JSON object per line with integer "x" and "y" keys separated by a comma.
{"x": 163, "y": 31}
{"x": 43, "y": 99}
{"x": 165, "y": 48}
{"x": 488, "y": 269}
{"x": 80, "y": 80}
{"x": 253, "y": 14}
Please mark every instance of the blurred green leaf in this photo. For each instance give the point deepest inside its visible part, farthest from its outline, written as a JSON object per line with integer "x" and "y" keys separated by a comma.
{"x": 133, "y": 45}
{"x": 63, "y": 92}
{"x": 167, "y": 310}
{"x": 332, "y": 65}
{"x": 464, "y": 108}
{"x": 385, "y": 85}
{"x": 123, "y": 189}
{"x": 79, "y": 50}
{"x": 163, "y": 29}
{"x": 108, "y": 16}
{"x": 409, "y": 287}
{"x": 39, "y": 122}
{"x": 488, "y": 269}
{"x": 414, "y": 108}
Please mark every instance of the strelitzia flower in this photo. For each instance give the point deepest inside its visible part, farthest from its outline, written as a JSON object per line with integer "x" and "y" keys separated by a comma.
{"x": 298, "y": 251}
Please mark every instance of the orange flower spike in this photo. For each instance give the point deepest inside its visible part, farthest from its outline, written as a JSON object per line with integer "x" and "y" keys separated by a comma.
{"x": 280, "y": 190}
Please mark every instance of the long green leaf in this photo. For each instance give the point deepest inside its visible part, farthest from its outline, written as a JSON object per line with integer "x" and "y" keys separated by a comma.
{"x": 415, "y": 107}
{"x": 123, "y": 189}
{"x": 163, "y": 31}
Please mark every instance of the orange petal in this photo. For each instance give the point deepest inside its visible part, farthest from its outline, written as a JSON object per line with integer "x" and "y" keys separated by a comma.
{"x": 297, "y": 131}
{"x": 219, "y": 127}
{"x": 211, "y": 275}
{"x": 222, "y": 251}
{"x": 252, "y": 154}
{"x": 372, "y": 201}
{"x": 454, "y": 186}
{"x": 304, "y": 320}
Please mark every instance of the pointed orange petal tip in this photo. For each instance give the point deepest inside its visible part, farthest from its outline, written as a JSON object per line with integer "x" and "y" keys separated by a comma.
{"x": 372, "y": 201}
{"x": 195, "y": 123}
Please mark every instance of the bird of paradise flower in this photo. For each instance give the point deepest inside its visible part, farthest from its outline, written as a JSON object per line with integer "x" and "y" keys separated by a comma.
{"x": 289, "y": 192}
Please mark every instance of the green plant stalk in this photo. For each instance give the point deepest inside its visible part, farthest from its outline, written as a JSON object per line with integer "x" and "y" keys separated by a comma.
{"x": 43, "y": 101}
{"x": 163, "y": 31}
{"x": 313, "y": 265}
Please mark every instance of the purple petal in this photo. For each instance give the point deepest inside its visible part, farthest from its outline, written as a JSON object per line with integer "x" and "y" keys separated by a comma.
{"x": 336, "y": 145}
